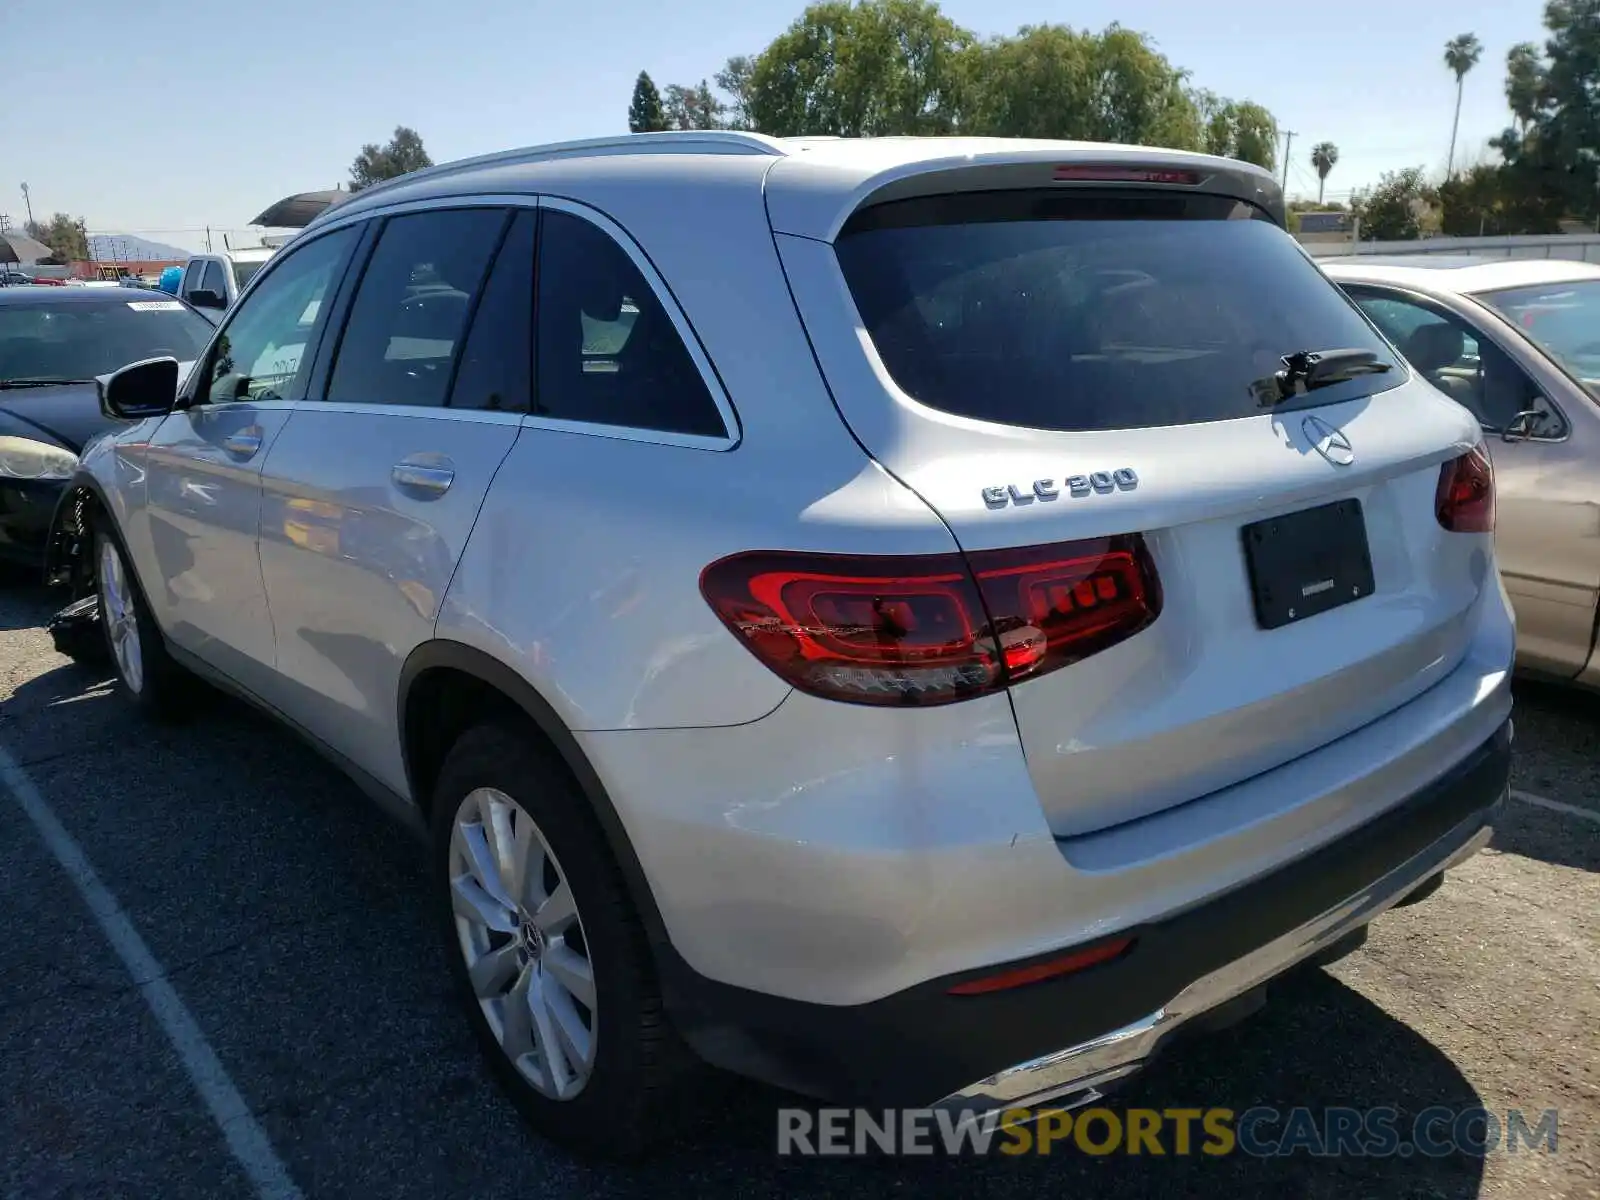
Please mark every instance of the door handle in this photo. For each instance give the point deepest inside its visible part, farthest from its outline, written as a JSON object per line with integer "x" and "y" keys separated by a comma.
{"x": 244, "y": 443}
{"x": 426, "y": 480}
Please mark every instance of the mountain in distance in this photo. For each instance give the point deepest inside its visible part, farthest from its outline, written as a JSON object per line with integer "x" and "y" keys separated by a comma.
{"x": 124, "y": 247}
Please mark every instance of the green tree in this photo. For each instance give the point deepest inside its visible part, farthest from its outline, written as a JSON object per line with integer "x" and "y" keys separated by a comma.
{"x": 871, "y": 68}
{"x": 1552, "y": 156}
{"x": 1053, "y": 81}
{"x": 66, "y": 235}
{"x": 1491, "y": 199}
{"x": 734, "y": 79}
{"x": 1324, "y": 157}
{"x": 402, "y": 155}
{"x": 1524, "y": 84}
{"x": 1397, "y": 208}
{"x": 1238, "y": 129}
{"x": 644, "y": 110}
{"x": 692, "y": 107}
{"x": 1461, "y": 54}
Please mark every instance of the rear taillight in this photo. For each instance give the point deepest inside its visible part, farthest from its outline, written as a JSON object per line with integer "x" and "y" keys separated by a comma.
{"x": 1464, "y": 500}
{"x": 896, "y": 630}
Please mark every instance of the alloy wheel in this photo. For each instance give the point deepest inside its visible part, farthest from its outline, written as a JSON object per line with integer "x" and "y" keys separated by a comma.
{"x": 522, "y": 940}
{"x": 122, "y": 622}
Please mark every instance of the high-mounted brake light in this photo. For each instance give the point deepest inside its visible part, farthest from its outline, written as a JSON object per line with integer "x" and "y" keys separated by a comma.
{"x": 1464, "y": 500}
{"x": 918, "y": 630}
{"x": 1108, "y": 174}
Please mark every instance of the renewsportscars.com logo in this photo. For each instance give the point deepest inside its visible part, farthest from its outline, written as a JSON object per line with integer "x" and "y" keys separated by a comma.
{"x": 1436, "y": 1132}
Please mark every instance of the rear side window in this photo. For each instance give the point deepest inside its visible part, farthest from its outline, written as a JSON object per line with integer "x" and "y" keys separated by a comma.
{"x": 608, "y": 352}
{"x": 412, "y": 306}
{"x": 1094, "y": 312}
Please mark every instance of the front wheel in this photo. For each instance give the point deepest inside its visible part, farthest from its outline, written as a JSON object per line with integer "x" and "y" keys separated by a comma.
{"x": 148, "y": 676}
{"x": 548, "y": 952}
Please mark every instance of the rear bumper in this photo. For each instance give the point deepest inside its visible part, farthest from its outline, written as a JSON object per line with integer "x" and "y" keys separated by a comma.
{"x": 1062, "y": 1039}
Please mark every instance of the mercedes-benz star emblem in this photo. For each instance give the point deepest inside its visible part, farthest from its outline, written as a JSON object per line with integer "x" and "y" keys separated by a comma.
{"x": 1329, "y": 442}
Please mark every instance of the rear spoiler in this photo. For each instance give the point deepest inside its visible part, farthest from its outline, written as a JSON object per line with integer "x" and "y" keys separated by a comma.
{"x": 797, "y": 206}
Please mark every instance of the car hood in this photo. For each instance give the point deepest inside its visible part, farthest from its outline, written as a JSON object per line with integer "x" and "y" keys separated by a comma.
{"x": 68, "y": 414}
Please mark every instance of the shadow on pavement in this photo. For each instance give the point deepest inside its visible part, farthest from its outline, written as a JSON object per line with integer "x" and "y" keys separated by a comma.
{"x": 295, "y": 922}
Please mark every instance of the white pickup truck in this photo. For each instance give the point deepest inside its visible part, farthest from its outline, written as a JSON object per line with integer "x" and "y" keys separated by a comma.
{"x": 212, "y": 282}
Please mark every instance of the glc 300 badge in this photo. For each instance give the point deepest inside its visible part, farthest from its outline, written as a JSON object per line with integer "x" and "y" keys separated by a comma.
{"x": 1122, "y": 479}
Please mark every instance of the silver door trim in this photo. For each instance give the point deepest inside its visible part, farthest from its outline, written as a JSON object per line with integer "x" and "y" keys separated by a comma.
{"x": 427, "y": 412}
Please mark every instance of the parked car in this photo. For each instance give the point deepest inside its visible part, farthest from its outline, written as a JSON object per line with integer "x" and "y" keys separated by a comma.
{"x": 1517, "y": 342}
{"x": 212, "y": 282}
{"x": 54, "y": 345}
{"x": 15, "y": 277}
{"x": 994, "y": 605}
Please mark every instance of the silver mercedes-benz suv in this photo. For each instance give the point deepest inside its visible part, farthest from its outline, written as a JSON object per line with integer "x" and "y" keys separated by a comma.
{"x": 916, "y": 621}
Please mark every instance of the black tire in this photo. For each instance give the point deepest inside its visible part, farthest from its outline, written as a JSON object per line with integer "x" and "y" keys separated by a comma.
{"x": 628, "y": 1104}
{"x": 163, "y": 689}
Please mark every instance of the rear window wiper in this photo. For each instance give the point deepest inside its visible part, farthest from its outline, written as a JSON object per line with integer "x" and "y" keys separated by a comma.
{"x": 9, "y": 384}
{"x": 1307, "y": 370}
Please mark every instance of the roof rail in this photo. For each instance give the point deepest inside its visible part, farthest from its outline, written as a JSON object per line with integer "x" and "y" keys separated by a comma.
{"x": 712, "y": 141}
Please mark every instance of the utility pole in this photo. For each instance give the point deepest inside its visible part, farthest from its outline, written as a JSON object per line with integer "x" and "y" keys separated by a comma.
{"x": 28, "y": 200}
{"x": 208, "y": 239}
{"x": 1288, "y": 140}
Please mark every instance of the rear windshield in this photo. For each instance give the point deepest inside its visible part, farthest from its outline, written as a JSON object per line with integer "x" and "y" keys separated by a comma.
{"x": 1085, "y": 312}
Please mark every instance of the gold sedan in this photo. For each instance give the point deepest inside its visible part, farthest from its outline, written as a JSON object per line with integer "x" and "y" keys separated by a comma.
{"x": 1517, "y": 342}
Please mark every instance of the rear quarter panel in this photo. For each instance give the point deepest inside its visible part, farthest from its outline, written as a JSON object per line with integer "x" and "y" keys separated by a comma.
{"x": 583, "y": 570}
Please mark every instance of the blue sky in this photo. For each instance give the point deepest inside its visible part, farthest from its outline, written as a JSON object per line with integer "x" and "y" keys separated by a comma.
{"x": 194, "y": 115}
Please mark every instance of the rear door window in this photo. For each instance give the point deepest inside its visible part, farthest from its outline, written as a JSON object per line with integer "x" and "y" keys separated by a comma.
{"x": 1094, "y": 312}
{"x": 411, "y": 308}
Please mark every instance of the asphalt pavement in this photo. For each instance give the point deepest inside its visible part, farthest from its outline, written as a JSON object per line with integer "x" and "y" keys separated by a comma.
{"x": 218, "y": 977}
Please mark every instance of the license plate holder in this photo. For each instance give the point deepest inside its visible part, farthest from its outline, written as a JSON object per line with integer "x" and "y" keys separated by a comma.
{"x": 1303, "y": 564}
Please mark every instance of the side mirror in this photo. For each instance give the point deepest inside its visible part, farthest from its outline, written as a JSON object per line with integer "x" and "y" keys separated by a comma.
{"x": 201, "y": 298}
{"x": 140, "y": 390}
{"x": 1526, "y": 424}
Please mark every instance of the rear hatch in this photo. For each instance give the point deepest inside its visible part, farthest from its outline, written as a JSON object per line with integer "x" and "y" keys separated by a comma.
{"x": 1094, "y": 367}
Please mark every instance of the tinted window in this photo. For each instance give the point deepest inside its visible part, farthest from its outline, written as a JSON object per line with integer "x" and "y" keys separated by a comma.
{"x": 496, "y": 363}
{"x": 81, "y": 340}
{"x": 262, "y": 352}
{"x": 214, "y": 280}
{"x": 412, "y": 306}
{"x": 1093, "y": 312}
{"x": 608, "y": 351}
{"x": 1453, "y": 356}
{"x": 191, "y": 276}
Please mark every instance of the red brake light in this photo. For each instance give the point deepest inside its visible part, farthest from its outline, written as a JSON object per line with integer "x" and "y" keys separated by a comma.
{"x": 916, "y": 630}
{"x": 1109, "y": 174}
{"x": 1464, "y": 499}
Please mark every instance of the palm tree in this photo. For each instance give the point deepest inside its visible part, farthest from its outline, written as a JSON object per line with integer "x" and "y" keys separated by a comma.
{"x": 1324, "y": 157}
{"x": 1524, "y": 84}
{"x": 1461, "y": 54}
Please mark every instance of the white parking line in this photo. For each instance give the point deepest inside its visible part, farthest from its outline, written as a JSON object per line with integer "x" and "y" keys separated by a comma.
{"x": 1572, "y": 810}
{"x": 245, "y": 1137}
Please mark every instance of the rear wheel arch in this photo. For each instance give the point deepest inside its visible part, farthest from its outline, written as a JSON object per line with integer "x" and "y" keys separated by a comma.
{"x": 447, "y": 687}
